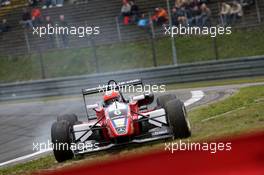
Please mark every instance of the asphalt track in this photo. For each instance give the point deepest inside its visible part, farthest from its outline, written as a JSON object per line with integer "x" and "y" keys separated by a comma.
{"x": 22, "y": 123}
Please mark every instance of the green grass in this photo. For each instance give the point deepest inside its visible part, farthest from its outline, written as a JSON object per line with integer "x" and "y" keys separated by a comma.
{"x": 26, "y": 168}
{"x": 241, "y": 113}
{"x": 131, "y": 55}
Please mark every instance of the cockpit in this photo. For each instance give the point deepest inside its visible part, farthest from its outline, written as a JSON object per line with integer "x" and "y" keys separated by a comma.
{"x": 117, "y": 109}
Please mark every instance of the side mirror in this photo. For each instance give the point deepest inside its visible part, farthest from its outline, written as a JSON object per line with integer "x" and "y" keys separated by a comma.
{"x": 93, "y": 106}
{"x": 147, "y": 100}
{"x": 144, "y": 99}
{"x": 139, "y": 97}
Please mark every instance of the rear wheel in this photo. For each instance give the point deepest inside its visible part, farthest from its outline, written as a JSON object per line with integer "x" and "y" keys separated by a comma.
{"x": 178, "y": 119}
{"x": 71, "y": 118}
{"x": 61, "y": 139}
{"x": 163, "y": 99}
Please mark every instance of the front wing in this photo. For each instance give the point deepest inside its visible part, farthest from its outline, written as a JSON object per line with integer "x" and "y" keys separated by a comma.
{"x": 160, "y": 130}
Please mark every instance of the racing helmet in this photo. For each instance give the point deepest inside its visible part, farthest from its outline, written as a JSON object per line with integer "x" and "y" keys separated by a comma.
{"x": 111, "y": 95}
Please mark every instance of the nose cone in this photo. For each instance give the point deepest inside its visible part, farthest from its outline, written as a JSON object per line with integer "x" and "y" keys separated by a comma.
{"x": 121, "y": 126}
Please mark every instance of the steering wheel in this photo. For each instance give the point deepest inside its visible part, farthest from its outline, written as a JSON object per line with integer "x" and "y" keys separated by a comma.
{"x": 112, "y": 82}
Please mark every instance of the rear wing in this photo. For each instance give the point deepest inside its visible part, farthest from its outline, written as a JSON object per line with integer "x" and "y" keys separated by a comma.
{"x": 105, "y": 88}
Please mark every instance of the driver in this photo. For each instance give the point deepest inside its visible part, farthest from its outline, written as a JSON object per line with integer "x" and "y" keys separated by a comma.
{"x": 111, "y": 96}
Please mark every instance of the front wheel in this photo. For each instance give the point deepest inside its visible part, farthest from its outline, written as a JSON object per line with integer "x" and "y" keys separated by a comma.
{"x": 162, "y": 100}
{"x": 60, "y": 137}
{"x": 71, "y": 118}
{"x": 178, "y": 119}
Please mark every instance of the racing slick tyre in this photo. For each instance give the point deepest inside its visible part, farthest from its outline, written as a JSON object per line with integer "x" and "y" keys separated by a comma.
{"x": 71, "y": 118}
{"x": 178, "y": 119}
{"x": 61, "y": 139}
{"x": 163, "y": 99}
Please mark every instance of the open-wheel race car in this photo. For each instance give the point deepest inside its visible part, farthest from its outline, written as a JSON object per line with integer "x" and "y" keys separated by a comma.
{"x": 118, "y": 121}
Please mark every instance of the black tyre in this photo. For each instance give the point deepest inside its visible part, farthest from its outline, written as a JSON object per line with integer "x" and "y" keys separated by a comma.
{"x": 61, "y": 139}
{"x": 163, "y": 99}
{"x": 71, "y": 118}
{"x": 178, "y": 119}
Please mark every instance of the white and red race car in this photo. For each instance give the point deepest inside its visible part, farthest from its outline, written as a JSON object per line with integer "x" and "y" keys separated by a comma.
{"x": 119, "y": 121}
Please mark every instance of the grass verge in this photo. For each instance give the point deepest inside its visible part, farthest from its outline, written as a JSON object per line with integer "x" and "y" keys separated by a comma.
{"x": 242, "y": 112}
{"x": 236, "y": 115}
